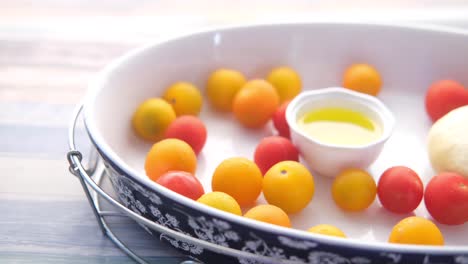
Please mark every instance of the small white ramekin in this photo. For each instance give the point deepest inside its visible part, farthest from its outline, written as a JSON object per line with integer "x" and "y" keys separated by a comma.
{"x": 329, "y": 159}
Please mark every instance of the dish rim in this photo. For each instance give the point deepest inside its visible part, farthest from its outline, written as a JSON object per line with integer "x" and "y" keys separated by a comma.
{"x": 99, "y": 80}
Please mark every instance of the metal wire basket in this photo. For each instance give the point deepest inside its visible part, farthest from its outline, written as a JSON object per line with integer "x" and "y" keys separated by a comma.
{"x": 91, "y": 179}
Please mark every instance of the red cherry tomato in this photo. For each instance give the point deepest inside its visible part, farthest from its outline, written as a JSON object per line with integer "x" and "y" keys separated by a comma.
{"x": 444, "y": 96}
{"x": 183, "y": 183}
{"x": 400, "y": 190}
{"x": 272, "y": 150}
{"x": 279, "y": 120}
{"x": 446, "y": 198}
{"x": 189, "y": 129}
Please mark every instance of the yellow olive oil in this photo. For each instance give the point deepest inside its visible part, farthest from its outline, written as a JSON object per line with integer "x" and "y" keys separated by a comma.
{"x": 340, "y": 126}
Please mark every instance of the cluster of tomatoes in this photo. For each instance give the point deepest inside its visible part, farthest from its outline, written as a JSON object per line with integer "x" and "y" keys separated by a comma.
{"x": 287, "y": 185}
{"x": 172, "y": 123}
{"x": 446, "y": 194}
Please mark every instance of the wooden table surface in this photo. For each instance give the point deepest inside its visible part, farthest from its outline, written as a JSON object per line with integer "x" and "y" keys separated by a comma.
{"x": 49, "y": 50}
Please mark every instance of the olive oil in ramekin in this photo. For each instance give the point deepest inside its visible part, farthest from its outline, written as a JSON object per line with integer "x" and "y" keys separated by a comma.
{"x": 340, "y": 126}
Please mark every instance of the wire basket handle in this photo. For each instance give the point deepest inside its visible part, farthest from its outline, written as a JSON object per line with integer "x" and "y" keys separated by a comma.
{"x": 85, "y": 176}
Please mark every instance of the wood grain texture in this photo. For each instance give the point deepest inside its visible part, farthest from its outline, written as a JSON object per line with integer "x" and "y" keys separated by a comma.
{"x": 44, "y": 215}
{"x": 52, "y": 231}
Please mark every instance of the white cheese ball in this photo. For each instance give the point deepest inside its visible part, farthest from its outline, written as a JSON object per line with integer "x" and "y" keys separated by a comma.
{"x": 448, "y": 142}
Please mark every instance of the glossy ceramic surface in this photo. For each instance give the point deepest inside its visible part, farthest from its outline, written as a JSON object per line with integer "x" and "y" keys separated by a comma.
{"x": 330, "y": 159}
{"x": 409, "y": 60}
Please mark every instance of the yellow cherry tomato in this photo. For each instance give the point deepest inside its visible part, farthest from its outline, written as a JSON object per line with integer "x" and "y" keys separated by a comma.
{"x": 255, "y": 103}
{"x": 328, "y": 230}
{"x": 240, "y": 178}
{"x": 288, "y": 185}
{"x": 221, "y": 201}
{"x": 286, "y": 81}
{"x": 222, "y": 86}
{"x": 152, "y": 118}
{"x": 362, "y": 78}
{"x": 354, "y": 190}
{"x": 185, "y": 98}
{"x": 416, "y": 230}
{"x": 169, "y": 154}
{"x": 269, "y": 214}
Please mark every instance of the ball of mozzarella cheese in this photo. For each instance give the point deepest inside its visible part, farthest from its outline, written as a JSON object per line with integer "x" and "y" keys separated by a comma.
{"x": 448, "y": 142}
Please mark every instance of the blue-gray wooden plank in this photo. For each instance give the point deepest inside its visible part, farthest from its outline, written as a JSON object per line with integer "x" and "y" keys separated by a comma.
{"x": 61, "y": 259}
{"x": 49, "y": 230}
{"x": 44, "y": 215}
